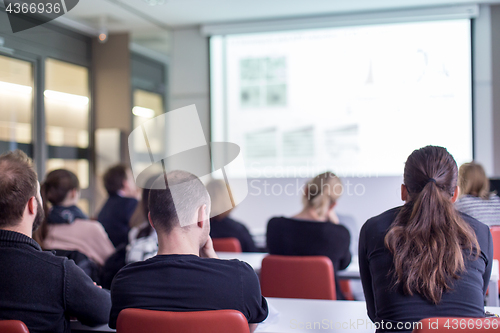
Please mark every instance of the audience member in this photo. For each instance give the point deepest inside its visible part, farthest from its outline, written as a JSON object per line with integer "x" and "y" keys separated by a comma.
{"x": 116, "y": 212}
{"x": 475, "y": 199}
{"x": 316, "y": 229}
{"x": 36, "y": 287}
{"x": 222, "y": 226}
{"x": 142, "y": 238}
{"x": 186, "y": 274}
{"x": 425, "y": 259}
{"x": 65, "y": 226}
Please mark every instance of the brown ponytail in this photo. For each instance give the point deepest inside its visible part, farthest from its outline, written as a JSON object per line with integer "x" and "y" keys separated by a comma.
{"x": 428, "y": 238}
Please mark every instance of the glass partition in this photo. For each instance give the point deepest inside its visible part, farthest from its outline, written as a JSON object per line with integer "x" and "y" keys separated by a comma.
{"x": 16, "y": 105}
{"x": 67, "y": 104}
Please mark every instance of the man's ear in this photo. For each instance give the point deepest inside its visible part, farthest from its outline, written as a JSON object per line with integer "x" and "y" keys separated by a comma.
{"x": 455, "y": 194}
{"x": 202, "y": 215}
{"x": 404, "y": 192}
{"x": 150, "y": 221}
{"x": 32, "y": 205}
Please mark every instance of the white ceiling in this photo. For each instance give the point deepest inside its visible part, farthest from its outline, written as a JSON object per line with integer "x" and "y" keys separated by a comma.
{"x": 138, "y": 17}
{"x": 149, "y": 26}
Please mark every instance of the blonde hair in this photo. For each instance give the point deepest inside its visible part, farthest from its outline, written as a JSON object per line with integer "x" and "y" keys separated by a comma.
{"x": 472, "y": 180}
{"x": 321, "y": 192}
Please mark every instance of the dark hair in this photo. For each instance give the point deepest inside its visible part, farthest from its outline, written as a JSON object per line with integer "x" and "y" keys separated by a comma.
{"x": 165, "y": 213}
{"x": 18, "y": 183}
{"x": 54, "y": 189}
{"x": 114, "y": 178}
{"x": 428, "y": 238}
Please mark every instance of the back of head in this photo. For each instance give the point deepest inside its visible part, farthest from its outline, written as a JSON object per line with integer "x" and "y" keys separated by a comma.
{"x": 321, "y": 192}
{"x": 57, "y": 185}
{"x": 54, "y": 189}
{"x": 174, "y": 200}
{"x": 114, "y": 178}
{"x": 473, "y": 181}
{"x": 18, "y": 183}
{"x": 428, "y": 237}
{"x": 219, "y": 195}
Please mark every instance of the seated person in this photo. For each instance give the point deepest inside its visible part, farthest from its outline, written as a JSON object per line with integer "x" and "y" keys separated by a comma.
{"x": 475, "y": 199}
{"x": 143, "y": 241}
{"x": 36, "y": 287}
{"x": 116, "y": 212}
{"x": 66, "y": 227}
{"x": 186, "y": 274}
{"x": 425, "y": 259}
{"x": 222, "y": 226}
{"x": 315, "y": 231}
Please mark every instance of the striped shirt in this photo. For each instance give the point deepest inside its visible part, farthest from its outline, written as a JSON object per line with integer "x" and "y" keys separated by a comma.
{"x": 483, "y": 210}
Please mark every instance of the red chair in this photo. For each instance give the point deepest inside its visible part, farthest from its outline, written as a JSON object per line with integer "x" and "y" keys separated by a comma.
{"x": 454, "y": 324}
{"x": 229, "y": 244}
{"x": 13, "y": 326}
{"x": 495, "y": 234}
{"x": 309, "y": 277}
{"x": 345, "y": 287}
{"x": 149, "y": 321}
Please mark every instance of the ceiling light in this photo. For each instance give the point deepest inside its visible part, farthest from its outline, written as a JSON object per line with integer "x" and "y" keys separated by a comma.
{"x": 67, "y": 98}
{"x": 143, "y": 112}
{"x": 16, "y": 88}
{"x": 103, "y": 30}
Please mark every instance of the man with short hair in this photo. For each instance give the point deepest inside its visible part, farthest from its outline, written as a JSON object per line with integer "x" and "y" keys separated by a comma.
{"x": 186, "y": 275}
{"x": 121, "y": 204}
{"x": 36, "y": 287}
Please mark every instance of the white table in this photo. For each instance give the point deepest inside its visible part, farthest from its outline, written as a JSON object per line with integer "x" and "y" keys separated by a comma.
{"x": 300, "y": 315}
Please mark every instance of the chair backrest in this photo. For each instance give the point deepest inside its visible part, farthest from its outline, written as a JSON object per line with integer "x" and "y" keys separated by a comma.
{"x": 455, "y": 324}
{"x": 149, "y": 321}
{"x": 13, "y": 326}
{"x": 229, "y": 244}
{"x": 495, "y": 234}
{"x": 309, "y": 277}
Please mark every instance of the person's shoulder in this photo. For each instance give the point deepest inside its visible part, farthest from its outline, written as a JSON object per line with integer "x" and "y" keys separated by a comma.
{"x": 49, "y": 258}
{"x": 88, "y": 225}
{"x": 277, "y": 219}
{"x": 382, "y": 221}
{"x": 336, "y": 227}
{"x": 478, "y": 226}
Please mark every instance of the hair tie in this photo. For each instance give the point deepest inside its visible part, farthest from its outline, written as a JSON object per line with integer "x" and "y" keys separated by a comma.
{"x": 431, "y": 180}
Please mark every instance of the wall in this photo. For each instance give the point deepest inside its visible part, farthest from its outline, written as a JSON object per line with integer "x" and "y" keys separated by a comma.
{"x": 190, "y": 84}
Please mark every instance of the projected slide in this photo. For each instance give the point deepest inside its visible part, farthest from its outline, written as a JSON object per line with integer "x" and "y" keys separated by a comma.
{"x": 355, "y": 100}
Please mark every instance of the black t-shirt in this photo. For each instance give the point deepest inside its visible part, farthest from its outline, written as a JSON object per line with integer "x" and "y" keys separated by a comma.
{"x": 188, "y": 283}
{"x": 227, "y": 227}
{"x": 390, "y": 305}
{"x": 295, "y": 237}
{"x": 115, "y": 216}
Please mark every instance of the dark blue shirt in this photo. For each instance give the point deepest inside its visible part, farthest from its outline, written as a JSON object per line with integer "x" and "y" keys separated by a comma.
{"x": 43, "y": 290}
{"x": 227, "y": 227}
{"x": 188, "y": 283}
{"x": 390, "y": 304}
{"x": 115, "y": 216}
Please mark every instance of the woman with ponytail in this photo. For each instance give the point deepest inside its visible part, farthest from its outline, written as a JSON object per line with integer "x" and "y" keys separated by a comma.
{"x": 425, "y": 259}
{"x": 65, "y": 226}
{"x": 316, "y": 230}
